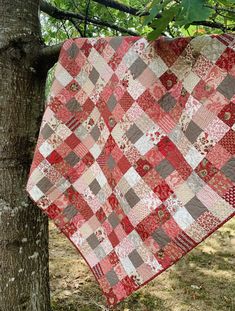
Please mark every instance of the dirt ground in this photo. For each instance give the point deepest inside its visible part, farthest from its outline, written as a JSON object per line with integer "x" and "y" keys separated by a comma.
{"x": 203, "y": 280}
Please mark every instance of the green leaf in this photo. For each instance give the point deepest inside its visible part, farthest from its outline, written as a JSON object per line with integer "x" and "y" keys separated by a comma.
{"x": 227, "y": 2}
{"x": 153, "y": 12}
{"x": 192, "y": 10}
{"x": 161, "y": 23}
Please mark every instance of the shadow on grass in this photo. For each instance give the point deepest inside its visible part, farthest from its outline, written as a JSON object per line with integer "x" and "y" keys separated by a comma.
{"x": 84, "y": 302}
{"x": 142, "y": 300}
{"x": 203, "y": 280}
{"x": 207, "y": 274}
{"x": 215, "y": 290}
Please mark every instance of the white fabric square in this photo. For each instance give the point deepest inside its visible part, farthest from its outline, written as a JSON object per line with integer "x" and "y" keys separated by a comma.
{"x": 158, "y": 66}
{"x": 130, "y": 57}
{"x": 82, "y": 77}
{"x": 62, "y": 75}
{"x": 138, "y": 213}
{"x": 92, "y": 259}
{"x": 135, "y": 88}
{"x": 77, "y": 238}
{"x": 154, "y": 264}
{"x": 144, "y": 144}
{"x": 190, "y": 81}
{"x": 45, "y": 149}
{"x": 36, "y": 193}
{"x": 107, "y": 246}
{"x": 213, "y": 49}
{"x": 132, "y": 177}
{"x": 183, "y": 218}
{"x": 88, "y": 87}
{"x": 63, "y": 184}
{"x": 63, "y": 131}
{"x": 95, "y": 151}
{"x": 127, "y": 265}
{"x": 100, "y": 65}
{"x": 193, "y": 157}
{"x": 100, "y": 177}
{"x": 86, "y": 230}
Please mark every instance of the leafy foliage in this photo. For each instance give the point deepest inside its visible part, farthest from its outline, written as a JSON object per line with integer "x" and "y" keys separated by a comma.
{"x": 55, "y": 31}
{"x": 178, "y": 17}
{"x": 169, "y": 17}
{"x": 161, "y": 24}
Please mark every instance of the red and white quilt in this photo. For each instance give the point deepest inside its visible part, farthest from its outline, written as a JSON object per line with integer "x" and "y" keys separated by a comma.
{"x": 135, "y": 157}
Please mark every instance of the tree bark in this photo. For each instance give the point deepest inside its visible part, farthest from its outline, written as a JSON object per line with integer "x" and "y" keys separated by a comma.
{"x": 24, "y": 276}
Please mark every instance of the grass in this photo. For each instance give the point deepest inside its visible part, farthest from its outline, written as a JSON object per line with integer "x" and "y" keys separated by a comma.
{"x": 203, "y": 280}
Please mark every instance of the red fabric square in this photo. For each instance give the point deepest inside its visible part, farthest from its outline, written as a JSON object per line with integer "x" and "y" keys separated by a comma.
{"x": 127, "y": 225}
{"x": 54, "y": 158}
{"x": 52, "y": 211}
{"x": 227, "y": 114}
{"x": 169, "y": 50}
{"x": 228, "y": 141}
{"x": 72, "y": 141}
{"x": 126, "y": 101}
{"x": 113, "y": 201}
{"x": 206, "y": 170}
{"x": 229, "y": 196}
{"x": 166, "y": 146}
{"x": 88, "y": 159}
{"x": 227, "y": 59}
{"x": 203, "y": 91}
{"x": 163, "y": 191}
{"x": 69, "y": 63}
{"x": 124, "y": 164}
{"x": 113, "y": 239}
{"x": 55, "y": 105}
{"x": 146, "y": 100}
{"x": 86, "y": 48}
{"x": 113, "y": 258}
{"x": 100, "y": 214}
{"x": 75, "y": 172}
{"x": 68, "y": 229}
{"x": 142, "y": 167}
{"x": 168, "y": 79}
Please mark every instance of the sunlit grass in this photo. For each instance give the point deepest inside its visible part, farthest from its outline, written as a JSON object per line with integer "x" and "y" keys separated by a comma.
{"x": 203, "y": 280}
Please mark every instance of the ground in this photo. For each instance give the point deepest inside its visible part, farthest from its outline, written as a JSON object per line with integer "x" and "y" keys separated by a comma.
{"x": 203, "y": 280}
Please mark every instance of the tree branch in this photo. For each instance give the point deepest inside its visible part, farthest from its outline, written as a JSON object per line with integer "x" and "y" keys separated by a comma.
{"x": 218, "y": 8}
{"x": 213, "y": 25}
{"x": 86, "y": 18}
{"x": 121, "y": 7}
{"x": 66, "y": 15}
{"x": 127, "y": 9}
{"x": 76, "y": 26}
{"x": 48, "y": 55}
{"x": 57, "y": 13}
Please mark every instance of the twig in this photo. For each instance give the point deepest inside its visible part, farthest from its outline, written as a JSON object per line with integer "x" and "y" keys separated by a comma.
{"x": 86, "y": 17}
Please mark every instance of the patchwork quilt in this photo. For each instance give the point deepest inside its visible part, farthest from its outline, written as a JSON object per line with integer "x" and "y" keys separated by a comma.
{"x": 134, "y": 161}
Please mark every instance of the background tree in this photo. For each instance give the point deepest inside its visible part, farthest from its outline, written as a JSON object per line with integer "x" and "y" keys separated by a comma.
{"x": 29, "y": 47}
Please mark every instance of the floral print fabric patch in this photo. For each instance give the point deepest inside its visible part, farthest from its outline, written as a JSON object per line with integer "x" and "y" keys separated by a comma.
{"x": 134, "y": 161}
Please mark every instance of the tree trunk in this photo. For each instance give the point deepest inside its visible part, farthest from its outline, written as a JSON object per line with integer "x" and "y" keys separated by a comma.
{"x": 24, "y": 277}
